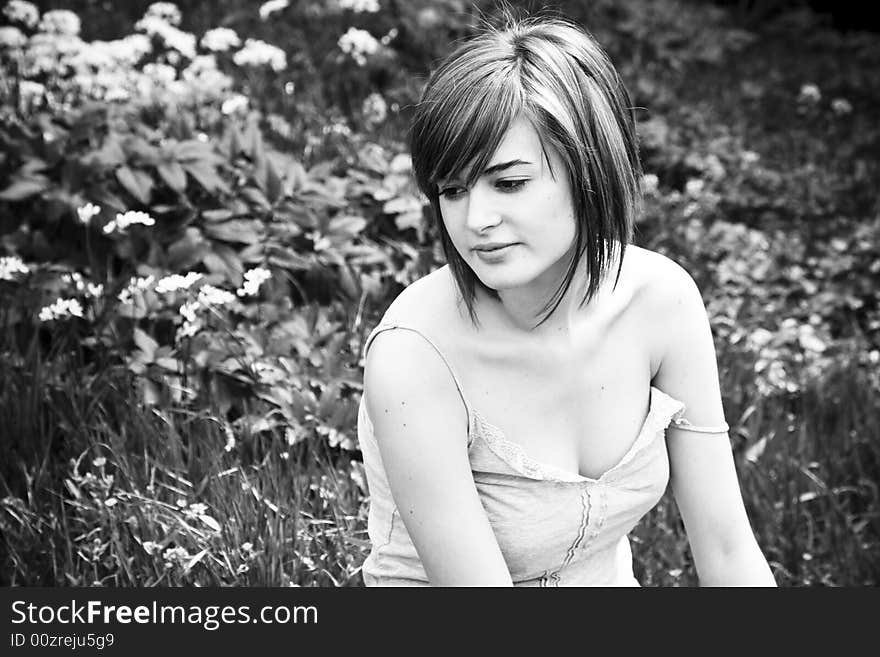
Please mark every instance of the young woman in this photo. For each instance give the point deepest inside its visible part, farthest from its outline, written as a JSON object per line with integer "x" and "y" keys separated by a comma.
{"x": 526, "y": 404}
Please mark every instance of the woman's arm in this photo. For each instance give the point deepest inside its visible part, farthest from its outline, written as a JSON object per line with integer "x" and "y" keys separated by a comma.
{"x": 420, "y": 425}
{"x": 703, "y": 474}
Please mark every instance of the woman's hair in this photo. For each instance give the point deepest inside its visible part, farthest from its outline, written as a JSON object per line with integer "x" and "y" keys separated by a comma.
{"x": 555, "y": 74}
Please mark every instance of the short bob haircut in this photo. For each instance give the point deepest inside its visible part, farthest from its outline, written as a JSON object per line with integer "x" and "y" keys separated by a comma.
{"x": 555, "y": 74}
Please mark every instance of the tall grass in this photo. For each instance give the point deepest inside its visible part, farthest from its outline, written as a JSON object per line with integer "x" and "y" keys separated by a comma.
{"x": 102, "y": 490}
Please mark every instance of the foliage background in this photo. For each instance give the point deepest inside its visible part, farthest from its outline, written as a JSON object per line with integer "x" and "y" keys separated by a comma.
{"x": 171, "y": 431}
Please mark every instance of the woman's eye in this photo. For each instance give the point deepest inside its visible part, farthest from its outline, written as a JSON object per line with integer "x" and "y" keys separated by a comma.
{"x": 451, "y": 192}
{"x": 510, "y": 185}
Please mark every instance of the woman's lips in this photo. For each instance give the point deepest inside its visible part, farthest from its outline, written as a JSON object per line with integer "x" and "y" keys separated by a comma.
{"x": 494, "y": 254}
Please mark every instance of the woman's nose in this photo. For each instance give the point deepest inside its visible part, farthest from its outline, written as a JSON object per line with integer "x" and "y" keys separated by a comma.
{"x": 481, "y": 212}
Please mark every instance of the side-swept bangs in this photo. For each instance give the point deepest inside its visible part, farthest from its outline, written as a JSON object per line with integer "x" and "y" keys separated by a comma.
{"x": 553, "y": 73}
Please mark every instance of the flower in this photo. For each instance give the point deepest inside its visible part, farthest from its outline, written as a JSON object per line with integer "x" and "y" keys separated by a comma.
{"x": 174, "y": 38}
{"x": 177, "y": 282}
{"x": 19, "y": 11}
{"x": 135, "y": 286}
{"x": 694, "y": 186}
{"x": 650, "y": 182}
{"x": 234, "y": 104}
{"x": 11, "y": 37}
{"x": 212, "y": 296}
{"x": 220, "y": 39}
{"x": 253, "y": 279}
{"x": 260, "y": 53}
{"x": 60, "y": 309}
{"x": 167, "y": 11}
{"x": 30, "y": 90}
{"x": 374, "y": 108}
{"x": 87, "y": 211}
{"x": 123, "y": 221}
{"x": 809, "y": 93}
{"x": 60, "y": 21}
{"x": 358, "y": 6}
{"x": 176, "y": 556}
{"x": 269, "y": 8}
{"x": 358, "y": 44}
{"x": 841, "y": 106}
{"x": 10, "y": 265}
{"x": 151, "y": 546}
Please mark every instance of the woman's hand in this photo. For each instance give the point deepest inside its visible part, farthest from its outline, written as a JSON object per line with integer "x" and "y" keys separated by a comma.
{"x": 703, "y": 474}
{"x": 420, "y": 424}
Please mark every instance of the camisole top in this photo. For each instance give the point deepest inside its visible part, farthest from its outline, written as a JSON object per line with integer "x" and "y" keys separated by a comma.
{"x": 554, "y": 527}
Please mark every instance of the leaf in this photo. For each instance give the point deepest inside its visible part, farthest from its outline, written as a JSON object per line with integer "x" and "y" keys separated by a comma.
{"x": 24, "y": 188}
{"x": 208, "y": 520}
{"x": 348, "y": 225}
{"x": 256, "y": 197}
{"x": 272, "y": 186}
{"x": 109, "y": 155}
{"x": 206, "y": 176}
{"x": 246, "y": 231}
{"x": 224, "y": 260}
{"x": 217, "y": 215}
{"x": 136, "y": 182}
{"x": 194, "y": 150}
{"x": 145, "y": 343}
{"x": 194, "y": 560}
{"x": 187, "y": 251}
{"x": 173, "y": 175}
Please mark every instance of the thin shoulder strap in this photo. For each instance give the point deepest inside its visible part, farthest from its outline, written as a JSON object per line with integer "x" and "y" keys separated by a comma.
{"x": 387, "y": 324}
{"x": 682, "y": 423}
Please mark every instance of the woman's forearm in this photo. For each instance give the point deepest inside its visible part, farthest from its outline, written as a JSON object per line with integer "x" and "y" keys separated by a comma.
{"x": 743, "y": 567}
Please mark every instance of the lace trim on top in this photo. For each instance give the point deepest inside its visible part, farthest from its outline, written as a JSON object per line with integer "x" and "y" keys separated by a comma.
{"x": 662, "y": 409}
{"x": 682, "y": 423}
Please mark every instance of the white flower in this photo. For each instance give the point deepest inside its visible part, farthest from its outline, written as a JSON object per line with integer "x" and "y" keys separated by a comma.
{"x": 135, "y": 286}
{"x": 809, "y": 93}
{"x": 11, "y": 37}
{"x": 220, "y": 39}
{"x": 60, "y": 21}
{"x": 212, "y": 296}
{"x": 167, "y": 11}
{"x": 117, "y": 94}
{"x": 151, "y": 546}
{"x": 253, "y": 279}
{"x": 87, "y": 211}
{"x": 841, "y": 106}
{"x": 260, "y": 53}
{"x": 374, "y": 108}
{"x": 749, "y": 157}
{"x": 161, "y": 73}
{"x": 19, "y": 11}
{"x": 650, "y": 182}
{"x": 234, "y": 104}
{"x": 694, "y": 186}
{"x": 358, "y": 44}
{"x": 269, "y": 8}
{"x": 60, "y": 309}
{"x": 94, "y": 290}
{"x": 123, "y": 221}
{"x": 182, "y": 42}
{"x": 358, "y": 6}
{"x": 30, "y": 90}
{"x": 11, "y": 265}
{"x": 177, "y": 282}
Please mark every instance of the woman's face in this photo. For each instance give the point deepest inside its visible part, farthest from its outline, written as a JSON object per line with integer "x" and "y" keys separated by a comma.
{"x": 515, "y": 204}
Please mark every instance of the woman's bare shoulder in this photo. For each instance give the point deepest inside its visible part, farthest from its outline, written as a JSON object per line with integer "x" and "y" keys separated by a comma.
{"x": 658, "y": 278}
{"x": 427, "y": 302}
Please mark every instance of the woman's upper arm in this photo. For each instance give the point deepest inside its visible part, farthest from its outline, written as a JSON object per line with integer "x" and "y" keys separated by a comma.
{"x": 420, "y": 424}
{"x": 703, "y": 474}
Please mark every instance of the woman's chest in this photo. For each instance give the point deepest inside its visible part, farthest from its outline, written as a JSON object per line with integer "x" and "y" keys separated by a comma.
{"x": 579, "y": 409}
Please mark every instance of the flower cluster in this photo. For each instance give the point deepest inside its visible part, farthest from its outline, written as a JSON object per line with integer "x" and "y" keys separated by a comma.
{"x": 19, "y": 11}
{"x": 60, "y": 309}
{"x": 10, "y": 266}
{"x": 271, "y": 7}
{"x": 60, "y": 21}
{"x": 87, "y": 212}
{"x": 176, "y": 282}
{"x": 220, "y": 39}
{"x": 358, "y": 44}
{"x": 359, "y": 6}
{"x": 82, "y": 285}
{"x": 234, "y": 104}
{"x": 123, "y": 221}
{"x": 11, "y": 37}
{"x": 841, "y": 106}
{"x": 375, "y": 109}
{"x": 253, "y": 279}
{"x": 173, "y": 37}
{"x": 166, "y": 11}
{"x": 260, "y": 53}
{"x": 136, "y": 285}
{"x": 809, "y": 93}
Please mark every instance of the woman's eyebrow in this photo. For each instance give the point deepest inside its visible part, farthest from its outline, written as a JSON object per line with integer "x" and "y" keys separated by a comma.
{"x": 501, "y": 166}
